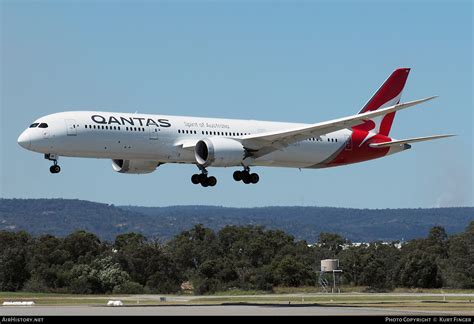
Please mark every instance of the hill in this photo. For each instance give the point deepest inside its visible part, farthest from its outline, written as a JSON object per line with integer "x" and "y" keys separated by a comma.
{"x": 62, "y": 216}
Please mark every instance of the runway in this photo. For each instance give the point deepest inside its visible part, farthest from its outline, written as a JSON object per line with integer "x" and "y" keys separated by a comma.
{"x": 222, "y": 310}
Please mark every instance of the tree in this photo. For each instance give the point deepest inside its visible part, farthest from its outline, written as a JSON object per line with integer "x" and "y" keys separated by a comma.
{"x": 109, "y": 274}
{"x": 14, "y": 249}
{"x": 83, "y": 246}
{"x": 436, "y": 243}
{"x": 458, "y": 268}
{"x": 129, "y": 240}
{"x": 292, "y": 272}
{"x": 162, "y": 273}
{"x": 193, "y": 247}
{"x": 370, "y": 265}
{"x": 45, "y": 265}
{"x": 419, "y": 270}
{"x": 332, "y": 242}
{"x": 353, "y": 261}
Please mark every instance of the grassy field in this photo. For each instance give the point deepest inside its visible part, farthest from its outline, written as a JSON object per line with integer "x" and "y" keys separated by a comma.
{"x": 430, "y": 300}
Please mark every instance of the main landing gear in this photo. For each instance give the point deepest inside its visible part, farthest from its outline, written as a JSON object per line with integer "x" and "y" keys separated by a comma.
{"x": 246, "y": 176}
{"x": 203, "y": 179}
{"x": 55, "y": 168}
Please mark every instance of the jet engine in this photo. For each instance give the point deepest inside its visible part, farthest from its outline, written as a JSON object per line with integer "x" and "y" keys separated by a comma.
{"x": 134, "y": 166}
{"x": 219, "y": 152}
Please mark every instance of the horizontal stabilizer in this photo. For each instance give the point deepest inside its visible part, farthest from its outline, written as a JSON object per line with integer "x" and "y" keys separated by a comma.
{"x": 410, "y": 140}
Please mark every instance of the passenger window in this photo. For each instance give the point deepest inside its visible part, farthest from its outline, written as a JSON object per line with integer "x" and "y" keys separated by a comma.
{"x": 43, "y": 125}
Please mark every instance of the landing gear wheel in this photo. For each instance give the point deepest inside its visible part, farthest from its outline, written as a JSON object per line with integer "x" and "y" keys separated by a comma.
{"x": 202, "y": 178}
{"x": 53, "y": 157}
{"x": 212, "y": 181}
{"x": 254, "y": 178}
{"x": 195, "y": 179}
{"x": 245, "y": 177}
{"x": 237, "y": 175}
{"x": 205, "y": 183}
{"x": 55, "y": 169}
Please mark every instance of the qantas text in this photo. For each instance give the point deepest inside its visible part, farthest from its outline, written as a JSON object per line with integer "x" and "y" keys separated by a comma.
{"x": 132, "y": 121}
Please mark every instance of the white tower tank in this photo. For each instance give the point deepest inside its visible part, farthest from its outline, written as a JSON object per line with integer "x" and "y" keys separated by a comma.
{"x": 329, "y": 265}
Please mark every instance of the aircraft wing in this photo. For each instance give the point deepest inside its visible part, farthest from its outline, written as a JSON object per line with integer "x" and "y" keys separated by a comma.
{"x": 409, "y": 140}
{"x": 187, "y": 144}
{"x": 263, "y": 143}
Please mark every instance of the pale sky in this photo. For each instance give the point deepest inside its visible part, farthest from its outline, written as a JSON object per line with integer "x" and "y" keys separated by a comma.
{"x": 285, "y": 61}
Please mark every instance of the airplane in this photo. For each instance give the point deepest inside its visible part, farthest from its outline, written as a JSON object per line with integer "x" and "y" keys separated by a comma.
{"x": 139, "y": 143}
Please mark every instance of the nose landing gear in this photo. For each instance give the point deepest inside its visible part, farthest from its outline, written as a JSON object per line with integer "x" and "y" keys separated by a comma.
{"x": 55, "y": 168}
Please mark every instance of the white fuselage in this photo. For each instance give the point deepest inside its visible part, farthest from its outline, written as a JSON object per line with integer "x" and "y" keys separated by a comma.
{"x": 164, "y": 139}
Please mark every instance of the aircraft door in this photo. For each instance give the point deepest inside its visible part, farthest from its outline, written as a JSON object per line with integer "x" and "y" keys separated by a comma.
{"x": 71, "y": 127}
{"x": 153, "y": 130}
{"x": 348, "y": 143}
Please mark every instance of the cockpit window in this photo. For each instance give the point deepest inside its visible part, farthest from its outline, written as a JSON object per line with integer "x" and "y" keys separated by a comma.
{"x": 34, "y": 125}
{"x": 43, "y": 125}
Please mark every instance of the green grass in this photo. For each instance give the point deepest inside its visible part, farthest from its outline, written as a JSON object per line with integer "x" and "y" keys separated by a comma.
{"x": 363, "y": 289}
{"x": 352, "y": 296}
{"x": 238, "y": 292}
{"x": 337, "y": 299}
{"x": 434, "y": 290}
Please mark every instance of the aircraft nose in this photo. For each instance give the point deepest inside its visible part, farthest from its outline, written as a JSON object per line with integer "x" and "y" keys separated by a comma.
{"x": 24, "y": 140}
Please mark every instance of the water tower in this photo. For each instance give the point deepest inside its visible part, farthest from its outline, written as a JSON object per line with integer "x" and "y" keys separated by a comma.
{"x": 328, "y": 267}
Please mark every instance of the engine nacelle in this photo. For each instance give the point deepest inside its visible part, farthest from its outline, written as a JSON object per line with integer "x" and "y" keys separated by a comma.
{"x": 219, "y": 152}
{"x": 134, "y": 166}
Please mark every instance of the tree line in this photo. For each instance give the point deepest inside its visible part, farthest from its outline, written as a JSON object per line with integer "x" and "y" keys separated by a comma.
{"x": 235, "y": 257}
